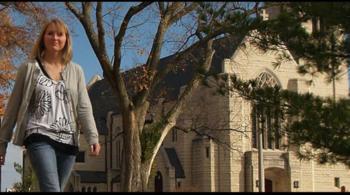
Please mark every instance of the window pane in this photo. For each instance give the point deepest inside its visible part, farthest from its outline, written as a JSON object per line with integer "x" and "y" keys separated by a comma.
{"x": 80, "y": 157}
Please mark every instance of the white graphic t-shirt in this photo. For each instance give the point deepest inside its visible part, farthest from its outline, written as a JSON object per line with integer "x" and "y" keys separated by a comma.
{"x": 49, "y": 111}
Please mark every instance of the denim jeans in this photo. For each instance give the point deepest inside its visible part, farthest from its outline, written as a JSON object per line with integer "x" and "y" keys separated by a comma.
{"x": 51, "y": 166}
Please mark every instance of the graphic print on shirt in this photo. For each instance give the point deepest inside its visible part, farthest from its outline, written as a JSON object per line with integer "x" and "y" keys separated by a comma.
{"x": 49, "y": 111}
{"x": 61, "y": 93}
{"x": 42, "y": 105}
{"x": 62, "y": 124}
{"x": 62, "y": 128}
{"x": 44, "y": 81}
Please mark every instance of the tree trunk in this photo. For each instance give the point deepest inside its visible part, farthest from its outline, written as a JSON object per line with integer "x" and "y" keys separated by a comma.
{"x": 145, "y": 175}
{"x": 131, "y": 177}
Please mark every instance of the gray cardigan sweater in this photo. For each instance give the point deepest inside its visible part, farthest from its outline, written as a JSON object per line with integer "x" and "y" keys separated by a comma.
{"x": 16, "y": 109}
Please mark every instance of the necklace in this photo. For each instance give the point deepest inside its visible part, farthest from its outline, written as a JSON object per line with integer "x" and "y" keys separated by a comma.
{"x": 52, "y": 66}
{"x": 54, "y": 71}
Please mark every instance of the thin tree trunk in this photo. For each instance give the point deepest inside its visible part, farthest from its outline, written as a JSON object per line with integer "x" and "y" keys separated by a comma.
{"x": 131, "y": 181}
{"x": 145, "y": 175}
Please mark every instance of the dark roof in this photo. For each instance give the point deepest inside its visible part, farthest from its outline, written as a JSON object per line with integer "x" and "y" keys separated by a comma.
{"x": 92, "y": 176}
{"x": 175, "y": 162}
{"x": 173, "y": 81}
{"x": 103, "y": 100}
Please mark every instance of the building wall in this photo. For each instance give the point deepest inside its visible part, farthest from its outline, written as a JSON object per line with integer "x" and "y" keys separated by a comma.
{"x": 92, "y": 163}
{"x": 249, "y": 63}
{"x": 235, "y": 176}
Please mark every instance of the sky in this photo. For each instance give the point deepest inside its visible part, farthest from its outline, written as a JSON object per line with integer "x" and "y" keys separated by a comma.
{"x": 9, "y": 175}
{"x": 84, "y": 55}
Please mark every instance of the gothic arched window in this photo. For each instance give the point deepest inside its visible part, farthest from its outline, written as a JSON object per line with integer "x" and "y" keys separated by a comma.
{"x": 266, "y": 118}
{"x": 158, "y": 182}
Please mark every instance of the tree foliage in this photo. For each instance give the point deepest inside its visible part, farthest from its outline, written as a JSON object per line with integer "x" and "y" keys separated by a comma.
{"x": 323, "y": 122}
{"x": 27, "y": 182}
{"x": 306, "y": 118}
{"x": 16, "y": 38}
{"x": 323, "y": 50}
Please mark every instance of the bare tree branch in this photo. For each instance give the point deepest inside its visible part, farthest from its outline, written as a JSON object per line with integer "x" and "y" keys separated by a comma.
{"x": 5, "y": 6}
{"x": 172, "y": 115}
{"x": 183, "y": 12}
{"x": 87, "y": 6}
{"x": 115, "y": 74}
{"x": 74, "y": 10}
{"x": 172, "y": 7}
{"x": 119, "y": 38}
{"x": 153, "y": 60}
{"x": 100, "y": 28}
{"x": 102, "y": 56}
{"x": 161, "y": 8}
{"x": 154, "y": 56}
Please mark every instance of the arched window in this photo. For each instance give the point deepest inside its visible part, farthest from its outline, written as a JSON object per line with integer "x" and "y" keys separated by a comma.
{"x": 94, "y": 189}
{"x": 174, "y": 134}
{"x": 158, "y": 182}
{"x": 83, "y": 189}
{"x": 89, "y": 189}
{"x": 266, "y": 118}
{"x": 266, "y": 79}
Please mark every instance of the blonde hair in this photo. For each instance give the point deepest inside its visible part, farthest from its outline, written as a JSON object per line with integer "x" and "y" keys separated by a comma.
{"x": 39, "y": 47}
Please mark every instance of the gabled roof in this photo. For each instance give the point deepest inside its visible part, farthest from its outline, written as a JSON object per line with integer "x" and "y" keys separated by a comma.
{"x": 93, "y": 80}
{"x": 175, "y": 162}
{"x": 104, "y": 100}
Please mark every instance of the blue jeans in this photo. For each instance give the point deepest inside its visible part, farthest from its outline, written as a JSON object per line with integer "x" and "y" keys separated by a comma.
{"x": 51, "y": 166}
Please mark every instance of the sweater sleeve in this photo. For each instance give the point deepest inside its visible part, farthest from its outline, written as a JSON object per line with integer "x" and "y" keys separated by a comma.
{"x": 10, "y": 117}
{"x": 84, "y": 111}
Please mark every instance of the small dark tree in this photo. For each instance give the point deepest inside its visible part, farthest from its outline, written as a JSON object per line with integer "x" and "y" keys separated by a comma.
{"x": 27, "y": 180}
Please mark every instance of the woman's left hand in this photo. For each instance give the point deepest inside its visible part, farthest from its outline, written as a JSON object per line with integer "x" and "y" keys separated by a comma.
{"x": 95, "y": 149}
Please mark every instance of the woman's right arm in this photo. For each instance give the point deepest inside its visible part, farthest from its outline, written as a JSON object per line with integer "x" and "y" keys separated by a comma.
{"x": 9, "y": 120}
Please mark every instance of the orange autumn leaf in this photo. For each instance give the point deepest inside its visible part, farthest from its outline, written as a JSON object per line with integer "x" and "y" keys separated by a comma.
{"x": 16, "y": 40}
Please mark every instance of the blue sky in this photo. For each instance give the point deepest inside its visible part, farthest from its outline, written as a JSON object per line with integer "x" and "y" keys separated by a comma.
{"x": 8, "y": 174}
{"x": 136, "y": 45}
{"x": 84, "y": 55}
